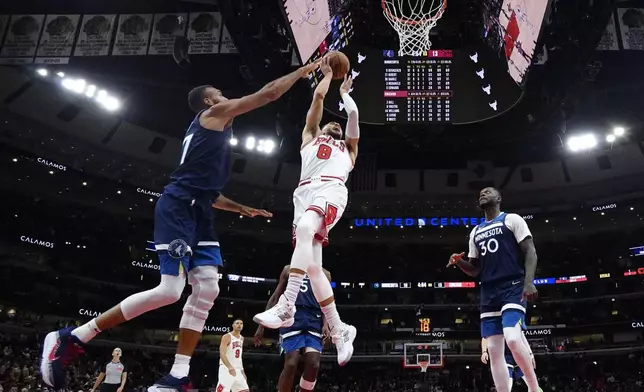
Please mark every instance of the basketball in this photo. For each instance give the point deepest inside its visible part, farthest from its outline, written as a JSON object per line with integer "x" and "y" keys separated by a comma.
{"x": 339, "y": 62}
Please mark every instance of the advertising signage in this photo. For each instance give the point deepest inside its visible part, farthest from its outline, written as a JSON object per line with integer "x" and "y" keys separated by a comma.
{"x": 420, "y": 222}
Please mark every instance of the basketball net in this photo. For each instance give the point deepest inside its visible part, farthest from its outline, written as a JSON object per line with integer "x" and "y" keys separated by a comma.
{"x": 423, "y": 366}
{"x": 413, "y": 20}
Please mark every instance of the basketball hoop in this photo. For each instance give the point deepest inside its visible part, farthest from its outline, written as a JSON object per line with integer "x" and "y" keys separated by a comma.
{"x": 423, "y": 366}
{"x": 413, "y": 20}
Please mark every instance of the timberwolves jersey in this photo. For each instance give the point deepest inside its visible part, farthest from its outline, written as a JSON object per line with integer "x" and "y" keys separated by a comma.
{"x": 204, "y": 166}
{"x": 308, "y": 315}
{"x": 495, "y": 244}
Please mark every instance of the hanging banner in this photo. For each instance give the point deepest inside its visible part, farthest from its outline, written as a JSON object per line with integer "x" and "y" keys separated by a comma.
{"x": 4, "y": 21}
{"x": 166, "y": 28}
{"x": 57, "y": 39}
{"x": 631, "y": 23}
{"x": 609, "y": 39}
{"x": 133, "y": 35}
{"x": 203, "y": 32}
{"x": 227, "y": 44}
{"x": 21, "y": 39}
{"x": 95, "y": 35}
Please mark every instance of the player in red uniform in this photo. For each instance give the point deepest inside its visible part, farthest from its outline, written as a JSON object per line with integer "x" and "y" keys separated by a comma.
{"x": 319, "y": 201}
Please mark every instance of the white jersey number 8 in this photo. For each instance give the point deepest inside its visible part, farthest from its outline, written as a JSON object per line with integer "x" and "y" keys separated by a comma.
{"x": 491, "y": 245}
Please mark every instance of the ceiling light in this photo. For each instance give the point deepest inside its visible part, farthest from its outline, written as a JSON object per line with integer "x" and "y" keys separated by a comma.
{"x": 42, "y": 72}
{"x": 611, "y": 138}
{"x": 61, "y": 74}
{"x": 91, "y": 90}
{"x": 582, "y": 142}
{"x": 250, "y": 143}
{"x": 619, "y": 131}
{"x": 234, "y": 141}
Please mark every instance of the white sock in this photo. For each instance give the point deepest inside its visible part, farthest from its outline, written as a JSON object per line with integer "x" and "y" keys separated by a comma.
{"x": 87, "y": 331}
{"x": 521, "y": 354}
{"x": 181, "y": 366}
{"x": 496, "y": 351}
{"x": 331, "y": 315}
{"x": 293, "y": 286}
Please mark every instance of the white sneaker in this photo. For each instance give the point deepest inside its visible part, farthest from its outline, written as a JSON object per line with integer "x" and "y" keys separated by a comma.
{"x": 279, "y": 316}
{"x": 343, "y": 341}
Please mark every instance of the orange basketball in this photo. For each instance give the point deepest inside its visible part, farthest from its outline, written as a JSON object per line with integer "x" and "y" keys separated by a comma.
{"x": 339, "y": 62}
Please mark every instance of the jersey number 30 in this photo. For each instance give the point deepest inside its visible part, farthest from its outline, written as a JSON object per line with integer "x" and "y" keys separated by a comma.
{"x": 491, "y": 245}
{"x": 324, "y": 152}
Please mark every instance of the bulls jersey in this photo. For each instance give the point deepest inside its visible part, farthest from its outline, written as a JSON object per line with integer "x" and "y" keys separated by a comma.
{"x": 495, "y": 244}
{"x": 308, "y": 315}
{"x": 234, "y": 351}
{"x": 327, "y": 158}
{"x": 204, "y": 166}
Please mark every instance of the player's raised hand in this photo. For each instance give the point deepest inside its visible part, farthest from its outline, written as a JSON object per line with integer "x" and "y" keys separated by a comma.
{"x": 305, "y": 70}
{"x": 455, "y": 258}
{"x": 325, "y": 67}
{"x": 346, "y": 85}
{"x": 253, "y": 212}
{"x": 259, "y": 335}
{"x": 530, "y": 292}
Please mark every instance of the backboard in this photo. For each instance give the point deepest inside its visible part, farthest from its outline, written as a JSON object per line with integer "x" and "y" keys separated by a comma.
{"x": 423, "y": 352}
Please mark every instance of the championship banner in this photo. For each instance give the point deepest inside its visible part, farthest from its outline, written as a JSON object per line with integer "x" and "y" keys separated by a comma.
{"x": 166, "y": 28}
{"x": 133, "y": 35}
{"x": 21, "y": 39}
{"x": 4, "y": 21}
{"x": 203, "y": 32}
{"x": 57, "y": 39}
{"x": 609, "y": 39}
{"x": 227, "y": 44}
{"x": 631, "y": 24}
{"x": 95, "y": 35}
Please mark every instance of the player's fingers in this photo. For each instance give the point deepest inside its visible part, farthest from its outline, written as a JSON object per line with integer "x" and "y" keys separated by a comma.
{"x": 265, "y": 214}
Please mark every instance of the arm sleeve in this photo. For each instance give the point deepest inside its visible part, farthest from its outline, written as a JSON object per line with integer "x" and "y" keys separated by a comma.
{"x": 518, "y": 226}
{"x": 353, "y": 127}
{"x": 473, "y": 252}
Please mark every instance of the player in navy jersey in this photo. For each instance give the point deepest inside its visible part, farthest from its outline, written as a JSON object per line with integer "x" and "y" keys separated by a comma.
{"x": 184, "y": 234}
{"x": 502, "y": 251}
{"x": 307, "y": 335}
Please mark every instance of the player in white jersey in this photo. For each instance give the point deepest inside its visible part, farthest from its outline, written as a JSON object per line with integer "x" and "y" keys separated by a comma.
{"x": 231, "y": 369}
{"x": 319, "y": 201}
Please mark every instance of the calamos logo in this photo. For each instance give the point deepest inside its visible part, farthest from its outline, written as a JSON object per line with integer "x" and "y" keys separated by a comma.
{"x": 35, "y": 241}
{"x": 637, "y": 324}
{"x": 55, "y": 165}
{"x": 539, "y": 332}
{"x": 148, "y": 265}
{"x": 89, "y": 313}
{"x": 606, "y": 207}
{"x": 147, "y": 192}
{"x": 216, "y": 329}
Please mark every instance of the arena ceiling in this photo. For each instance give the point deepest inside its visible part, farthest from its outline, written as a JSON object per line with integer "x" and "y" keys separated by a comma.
{"x": 577, "y": 89}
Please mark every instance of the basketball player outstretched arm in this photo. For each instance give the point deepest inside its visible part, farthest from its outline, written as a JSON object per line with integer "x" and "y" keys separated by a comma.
{"x": 225, "y": 204}
{"x": 222, "y": 112}
{"x": 352, "y": 134}
{"x": 223, "y": 346}
{"x": 314, "y": 115}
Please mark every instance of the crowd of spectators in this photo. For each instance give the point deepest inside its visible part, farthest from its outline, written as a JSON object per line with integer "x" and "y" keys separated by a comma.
{"x": 19, "y": 371}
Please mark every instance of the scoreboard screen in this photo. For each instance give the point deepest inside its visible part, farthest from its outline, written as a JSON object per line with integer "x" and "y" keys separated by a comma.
{"x": 418, "y": 89}
{"x": 437, "y": 87}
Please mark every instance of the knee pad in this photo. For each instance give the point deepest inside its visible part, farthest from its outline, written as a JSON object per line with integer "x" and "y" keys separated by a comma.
{"x": 205, "y": 289}
{"x": 307, "y": 226}
{"x": 167, "y": 292}
{"x": 513, "y": 337}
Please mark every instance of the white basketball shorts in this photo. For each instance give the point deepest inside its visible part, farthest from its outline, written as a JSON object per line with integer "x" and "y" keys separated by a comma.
{"x": 326, "y": 196}
{"x": 228, "y": 383}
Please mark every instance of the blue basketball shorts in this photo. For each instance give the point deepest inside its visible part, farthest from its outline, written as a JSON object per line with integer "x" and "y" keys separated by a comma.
{"x": 502, "y": 307}
{"x": 515, "y": 372}
{"x": 302, "y": 340}
{"x": 184, "y": 235}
